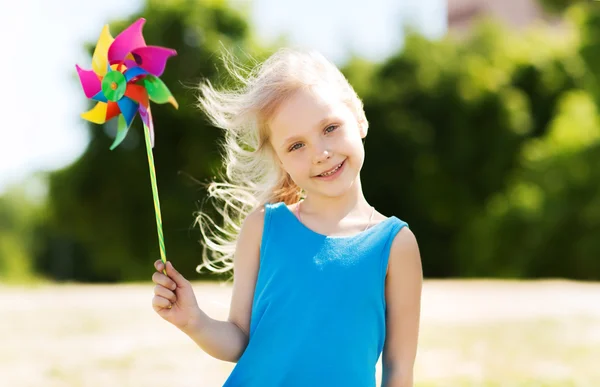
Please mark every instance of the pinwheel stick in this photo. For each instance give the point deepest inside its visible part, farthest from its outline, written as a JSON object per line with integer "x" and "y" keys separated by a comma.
{"x": 161, "y": 238}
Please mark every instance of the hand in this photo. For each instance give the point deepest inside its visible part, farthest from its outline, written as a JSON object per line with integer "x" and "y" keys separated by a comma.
{"x": 174, "y": 298}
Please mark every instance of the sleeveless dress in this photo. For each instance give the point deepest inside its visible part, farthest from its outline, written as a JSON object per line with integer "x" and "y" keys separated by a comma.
{"x": 318, "y": 313}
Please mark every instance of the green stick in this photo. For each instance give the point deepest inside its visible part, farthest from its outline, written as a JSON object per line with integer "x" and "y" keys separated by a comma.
{"x": 161, "y": 239}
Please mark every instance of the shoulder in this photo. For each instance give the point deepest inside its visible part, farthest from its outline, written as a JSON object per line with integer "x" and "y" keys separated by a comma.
{"x": 404, "y": 251}
{"x": 255, "y": 218}
{"x": 405, "y": 240}
{"x": 252, "y": 228}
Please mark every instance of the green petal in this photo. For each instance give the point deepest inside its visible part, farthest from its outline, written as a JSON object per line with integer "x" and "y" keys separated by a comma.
{"x": 121, "y": 132}
{"x": 158, "y": 91}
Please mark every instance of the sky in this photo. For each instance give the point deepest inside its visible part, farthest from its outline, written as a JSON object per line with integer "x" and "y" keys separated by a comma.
{"x": 41, "y": 41}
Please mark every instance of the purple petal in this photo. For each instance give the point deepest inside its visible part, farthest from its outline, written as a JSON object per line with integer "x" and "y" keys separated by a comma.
{"x": 129, "y": 63}
{"x": 146, "y": 117}
{"x": 128, "y": 40}
{"x": 89, "y": 81}
{"x": 153, "y": 58}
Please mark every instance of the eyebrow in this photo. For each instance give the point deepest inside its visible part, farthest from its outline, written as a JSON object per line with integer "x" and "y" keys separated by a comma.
{"x": 321, "y": 123}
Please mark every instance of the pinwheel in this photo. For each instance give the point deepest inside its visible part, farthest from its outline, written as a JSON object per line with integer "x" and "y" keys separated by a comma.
{"x": 123, "y": 80}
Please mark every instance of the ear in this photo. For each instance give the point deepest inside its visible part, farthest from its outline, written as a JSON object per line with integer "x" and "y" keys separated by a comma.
{"x": 363, "y": 127}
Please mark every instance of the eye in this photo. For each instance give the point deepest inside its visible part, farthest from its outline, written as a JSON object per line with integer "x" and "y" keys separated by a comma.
{"x": 296, "y": 146}
{"x": 330, "y": 128}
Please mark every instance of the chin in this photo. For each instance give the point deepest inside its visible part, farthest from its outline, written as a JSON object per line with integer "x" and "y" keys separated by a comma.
{"x": 333, "y": 189}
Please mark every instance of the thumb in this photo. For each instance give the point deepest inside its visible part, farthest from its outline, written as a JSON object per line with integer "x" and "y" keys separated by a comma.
{"x": 175, "y": 275}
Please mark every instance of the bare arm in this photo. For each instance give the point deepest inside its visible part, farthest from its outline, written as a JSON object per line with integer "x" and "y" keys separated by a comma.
{"x": 403, "y": 298}
{"x": 227, "y": 340}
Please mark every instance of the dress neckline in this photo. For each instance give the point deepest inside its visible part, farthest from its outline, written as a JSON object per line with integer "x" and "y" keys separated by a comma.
{"x": 341, "y": 237}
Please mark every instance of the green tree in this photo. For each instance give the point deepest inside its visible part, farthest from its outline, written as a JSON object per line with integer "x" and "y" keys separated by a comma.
{"x": 547, "y": 221}
{"x": 448, "y": 122}
{"x": 20, "y": 216}
{"x": 558, "y": 6}
{"x": 103, "y": 225}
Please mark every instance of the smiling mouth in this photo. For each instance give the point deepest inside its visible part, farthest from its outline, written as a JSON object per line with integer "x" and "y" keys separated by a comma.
{"x": 332, "y": 171}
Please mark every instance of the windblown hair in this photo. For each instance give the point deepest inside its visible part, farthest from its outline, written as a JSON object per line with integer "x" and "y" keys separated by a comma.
{"x": 253, "y": 175}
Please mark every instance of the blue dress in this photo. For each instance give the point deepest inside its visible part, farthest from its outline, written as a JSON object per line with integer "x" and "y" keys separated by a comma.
{"x": 318, "y": 313}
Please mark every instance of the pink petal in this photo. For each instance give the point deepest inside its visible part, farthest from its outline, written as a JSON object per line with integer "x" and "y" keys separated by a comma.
{"x": 153, "y": 58}
{"x": 130, "y": 63}
{"x": 128, "y": 40}
{"x": 89, "y": 81}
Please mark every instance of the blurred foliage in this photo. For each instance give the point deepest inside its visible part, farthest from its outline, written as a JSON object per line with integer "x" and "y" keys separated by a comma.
{"x": 558, "y": 6}
{"x": 20, "y": 214}
{"x": 486, "y": 146}
{"x": 491, "y": 145}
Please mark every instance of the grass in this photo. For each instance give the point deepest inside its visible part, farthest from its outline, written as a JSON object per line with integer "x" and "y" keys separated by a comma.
{"x": 473, "y": 333}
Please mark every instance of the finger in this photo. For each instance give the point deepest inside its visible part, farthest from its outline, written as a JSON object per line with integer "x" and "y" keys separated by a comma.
{"x": 159, "y": 265}
{"x": 160, "y": 290}
{"x": 161, "y": 279}
{"x": 175, "y": 276}
{"x": 159, "y": 303}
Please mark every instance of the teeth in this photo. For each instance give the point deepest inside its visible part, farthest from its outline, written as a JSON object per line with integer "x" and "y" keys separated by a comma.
{"x": 332, "y": 172}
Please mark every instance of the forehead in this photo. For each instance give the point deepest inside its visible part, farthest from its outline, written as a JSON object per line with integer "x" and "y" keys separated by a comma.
{"x": 304, "y": 110}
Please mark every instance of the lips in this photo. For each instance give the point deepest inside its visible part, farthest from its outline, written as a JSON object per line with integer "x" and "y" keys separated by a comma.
{"x": 333, "y": 169}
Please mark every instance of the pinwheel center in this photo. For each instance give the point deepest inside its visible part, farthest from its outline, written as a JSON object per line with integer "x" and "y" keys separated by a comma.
{"x": 114, "y": 85}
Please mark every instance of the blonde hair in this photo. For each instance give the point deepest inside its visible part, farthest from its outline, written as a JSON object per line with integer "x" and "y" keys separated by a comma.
{"x": 253, "y": 176}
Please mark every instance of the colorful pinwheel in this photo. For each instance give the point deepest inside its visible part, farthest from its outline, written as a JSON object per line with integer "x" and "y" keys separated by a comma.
{"x": 123, "y": 79}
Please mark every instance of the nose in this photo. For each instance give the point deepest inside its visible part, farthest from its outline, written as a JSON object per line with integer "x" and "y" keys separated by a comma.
{"x": 322, "y": 154}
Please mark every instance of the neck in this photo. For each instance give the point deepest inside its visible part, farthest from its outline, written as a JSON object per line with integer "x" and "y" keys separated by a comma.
{"x": 351, "y": 203}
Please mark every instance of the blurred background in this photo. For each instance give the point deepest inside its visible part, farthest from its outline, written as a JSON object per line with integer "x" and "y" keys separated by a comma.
{"x": 484, "y": 136}
{"x": 484, "y": 130}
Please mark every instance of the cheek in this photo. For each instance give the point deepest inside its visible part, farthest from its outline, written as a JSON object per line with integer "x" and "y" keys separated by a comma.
{"x": 351, "y": 141}
{"x": 295, "y": 165}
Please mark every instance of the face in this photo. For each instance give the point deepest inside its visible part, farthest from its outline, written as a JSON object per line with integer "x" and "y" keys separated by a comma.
{"x": 317, "y": 139}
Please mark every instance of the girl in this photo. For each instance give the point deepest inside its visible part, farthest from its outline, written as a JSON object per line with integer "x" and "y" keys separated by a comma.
{"x": 323, "y": 284}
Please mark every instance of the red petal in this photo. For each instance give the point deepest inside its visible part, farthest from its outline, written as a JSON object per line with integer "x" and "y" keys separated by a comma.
{"x": 137, "y": 93}
{"x": 112, "y": 110}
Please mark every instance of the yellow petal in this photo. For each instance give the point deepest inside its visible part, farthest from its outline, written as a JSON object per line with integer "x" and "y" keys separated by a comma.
{"x": 100, "y": 58}
{"x": 173, "y": 102}
{"x": 97, "y": 114}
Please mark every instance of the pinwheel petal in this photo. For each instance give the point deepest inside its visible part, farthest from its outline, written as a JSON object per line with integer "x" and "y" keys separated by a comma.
{"x": 153, "y": 58}
{"x": 89, "y": 82}
{"x": 133, "y": 72}
{"x": 100, "y": 57}
{"x": 128, "y": 40}
{"x": 100, "y": 97}
{"x": 128, "y": 108}
{"x": 158, "y": 91}
{"x": 146, "y": 117}
{"x": 122, "y": 130}
{"x": 138, "y": 94}
{"x": 129, "y": 63}
{"x": 112, "y": 110}
{"x": 97, "y": 114}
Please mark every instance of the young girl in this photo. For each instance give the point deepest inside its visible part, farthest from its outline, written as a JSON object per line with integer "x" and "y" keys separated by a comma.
{"x": 323, "y": 284}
